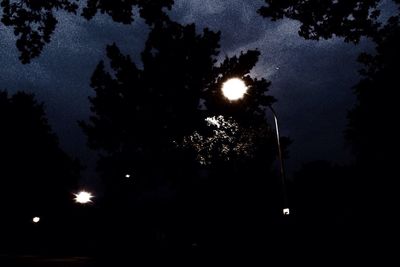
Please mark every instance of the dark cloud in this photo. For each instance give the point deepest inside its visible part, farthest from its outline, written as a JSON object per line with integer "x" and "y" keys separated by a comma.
{"x": 312, "y": 80}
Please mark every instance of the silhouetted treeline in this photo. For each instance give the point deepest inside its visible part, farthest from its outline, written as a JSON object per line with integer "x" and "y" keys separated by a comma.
{"x": 350, "y": 19}
{"x": 34, "y": 21}
{"x": 183, "y": 166}
{"x": 364, "y": 193}
{"x": 198, "y": 163}
{"x": 372, "y": 130}
{"x": 37, "y": 177}
{"x": 324, "y": 195}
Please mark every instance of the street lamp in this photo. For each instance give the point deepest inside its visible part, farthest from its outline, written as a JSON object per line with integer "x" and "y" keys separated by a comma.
{"x": 83, "y": 197}
{"x": 235, "y": 89}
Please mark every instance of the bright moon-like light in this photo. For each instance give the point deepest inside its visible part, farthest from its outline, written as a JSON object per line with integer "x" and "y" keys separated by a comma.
{"x": 83, "y": 197}
{"x": 127, "y": 176}
{"x": 234, "y": 89}
{"x": 36, "y": 219}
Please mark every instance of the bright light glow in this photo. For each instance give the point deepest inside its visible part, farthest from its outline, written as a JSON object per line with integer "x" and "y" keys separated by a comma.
{"x": 35, "y": 219}
{"x": 213, "y": 121}
{"x": 83, "y": 197}
{"x": 286, "y": 212}
{"x": 127, "y": 176}
{"x": 234, "y": 89}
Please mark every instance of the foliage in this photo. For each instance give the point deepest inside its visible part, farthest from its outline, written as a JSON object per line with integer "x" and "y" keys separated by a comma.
{"x": 322, "y": 19}
{"x": 371, "y": 130}
{"x": 37, "y": 177}
{"x": 122, "y": 10}
{"x": 152, "y": 122}
{"x": 137, "y": 112}
{"x": 34, "y": 21}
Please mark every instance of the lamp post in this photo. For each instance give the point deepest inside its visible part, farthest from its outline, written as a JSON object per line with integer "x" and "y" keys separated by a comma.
{"x": 235, "y": 89}
{"x": 83, "y": 197}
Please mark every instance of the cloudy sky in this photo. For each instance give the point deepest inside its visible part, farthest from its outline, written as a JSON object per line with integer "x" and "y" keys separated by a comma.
{"x": 312, "y": 80}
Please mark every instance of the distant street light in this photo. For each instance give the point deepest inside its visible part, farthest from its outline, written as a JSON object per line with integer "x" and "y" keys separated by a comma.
{"x": 83, "y": 197}
{"x": 286, "y": 211}
{"x": 235, "y": 89}
{"x": 35, "y": 219}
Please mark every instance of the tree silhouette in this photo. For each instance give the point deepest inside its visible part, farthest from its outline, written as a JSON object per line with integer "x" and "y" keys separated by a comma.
{"x": 144, "y": 120}
{"x": 324, "y": 194}
{"x": 322, "y": 19}
{"x": 122, "y": 10}
{"x": 363, "y": 195}
{"x": 36, "y": 176}
{"x": 34, "y": 21}
{"x": 372, "y": 131}
{"x": 374, "y": 94}
{"x": 133, "y": 109}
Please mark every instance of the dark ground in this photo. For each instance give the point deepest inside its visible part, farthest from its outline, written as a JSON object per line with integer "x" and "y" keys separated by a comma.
{"x": 285, "y": 246}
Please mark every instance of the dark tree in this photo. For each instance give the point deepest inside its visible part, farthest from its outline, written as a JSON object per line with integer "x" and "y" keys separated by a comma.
{"x": 122, "y": 10}
{"x": 146, "y": 120}
{"x": 136, "y": 111}
{"x": 322, "y": 19}
{"x": 37, "y": 178}
{"x": 376, "y": 98}
{"x": 326, "y": 208}
{"x": 324, "y": 195}
{"x": 34, "y": 21}
{"x": 372, "y": 130}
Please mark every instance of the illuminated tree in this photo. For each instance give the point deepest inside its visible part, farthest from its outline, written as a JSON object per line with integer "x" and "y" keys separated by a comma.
{"x": 134, "y": 110}
{"x": 151, "y": 122}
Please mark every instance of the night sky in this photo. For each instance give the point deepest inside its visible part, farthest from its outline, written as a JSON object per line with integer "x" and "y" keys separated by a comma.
{"x": 311, "y": 80}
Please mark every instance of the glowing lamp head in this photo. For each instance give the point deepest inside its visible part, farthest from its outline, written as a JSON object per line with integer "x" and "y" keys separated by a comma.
{"x": 83, "y": 197}
{"x": 35, "y": 219}
{"x": 234, "y": 89}
{"x": 286, "y": 212}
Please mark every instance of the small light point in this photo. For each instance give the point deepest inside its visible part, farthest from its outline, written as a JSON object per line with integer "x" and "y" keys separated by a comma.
{"x": 286, "y": 211}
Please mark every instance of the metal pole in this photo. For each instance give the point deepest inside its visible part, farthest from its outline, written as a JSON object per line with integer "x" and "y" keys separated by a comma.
{"x": 282, "y": 166}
